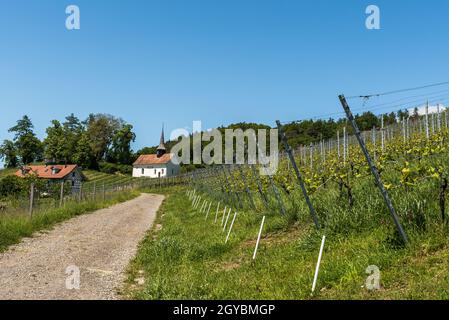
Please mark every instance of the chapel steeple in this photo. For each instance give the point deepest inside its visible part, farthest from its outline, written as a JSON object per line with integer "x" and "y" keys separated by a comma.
{"x": 160, "y": 151}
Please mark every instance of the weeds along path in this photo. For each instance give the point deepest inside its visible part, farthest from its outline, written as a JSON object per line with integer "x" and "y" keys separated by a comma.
{"x": 100, "y": 244}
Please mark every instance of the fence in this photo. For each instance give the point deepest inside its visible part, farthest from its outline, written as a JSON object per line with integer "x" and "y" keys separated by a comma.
{"x": 42, "y": 196}
{"x": 339, "y": 161}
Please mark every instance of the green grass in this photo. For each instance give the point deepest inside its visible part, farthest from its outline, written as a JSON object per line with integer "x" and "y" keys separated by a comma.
{"x": 92, "y": 177}
{"x": 14, "y": 228}
{"x": 100, "y": 178}
{"x": 188, "y": 259}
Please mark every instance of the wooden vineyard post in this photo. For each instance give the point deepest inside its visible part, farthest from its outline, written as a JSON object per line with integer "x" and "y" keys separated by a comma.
{"x": 373, "y": 168}
{"x": 382, "y": 132}
{"x": 248, "y": 192}
{"x": 311, "y": 156}
{"x": 408, "y": 127}
{"x": 277, "y": 195}
{"x": 30, "y": 210}
{"x": 259, "y": 187}
{"x": 273, "y": 186}
{"x": 338, "y": 144}
{"x": 225, "y": 195}
{"x": 445, "y": 118}
{"x": 95, "y": 192}
{"x": 403, "y": 130}
{"x": 298, "y": 174}
{"x": 81, "y": 192}
{"x": 61, "y": 194}
{"x": 228, "y": 186}
{"x": 433, "y": 123}
{"x": 344, "y": 146}
{"x": 374, "y": 142}
{"x": 239, "y": 202}
{"x": 427, "y": 120}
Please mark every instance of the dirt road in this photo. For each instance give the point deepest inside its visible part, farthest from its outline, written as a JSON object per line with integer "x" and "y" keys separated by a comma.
{"x": 99, "y": 244}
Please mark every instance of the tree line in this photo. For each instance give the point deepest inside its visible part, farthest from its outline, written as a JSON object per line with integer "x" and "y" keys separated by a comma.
{"x": 312, "y": 131}
{"x": 99, "y": 139}
{"x": 103, "y": 141}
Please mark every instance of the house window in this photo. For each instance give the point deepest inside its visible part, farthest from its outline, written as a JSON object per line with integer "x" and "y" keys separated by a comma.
{"x": 154, "y": 171}
{"x": 143, "y": 171}
{"x": 162, "y": 171}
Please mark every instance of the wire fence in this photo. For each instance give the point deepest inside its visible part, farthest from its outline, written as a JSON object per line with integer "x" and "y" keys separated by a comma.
{"x": 43, "y": 196}
{"x": 339, "y": 166}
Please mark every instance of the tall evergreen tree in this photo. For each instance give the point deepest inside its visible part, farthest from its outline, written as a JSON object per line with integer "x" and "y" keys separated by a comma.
{"x": 73, "y": 129}
{"x": 29, "y": 147}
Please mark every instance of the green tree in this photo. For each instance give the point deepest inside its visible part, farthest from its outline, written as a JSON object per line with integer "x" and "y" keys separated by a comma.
{"x": 415, "y": 114}
{"x": 55, "y": 142}
{"x": 402, "y": 114}
{"x": 367, "y": 121}
{"x": 83, "y": 154}
{"x": 11, "y": 185}
{"x": 100, "y": 129}
{"x": 29, "y": 147}
{"x": 120, "y": 151}
{"x": 73, "y": 129}
{"x": 8, "y": 154}
{"x": 146, "y": 150}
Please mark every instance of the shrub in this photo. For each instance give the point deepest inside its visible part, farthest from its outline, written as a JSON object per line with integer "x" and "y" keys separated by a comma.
{"x": 11, "y": 185}
{"x": 111, "y": 168}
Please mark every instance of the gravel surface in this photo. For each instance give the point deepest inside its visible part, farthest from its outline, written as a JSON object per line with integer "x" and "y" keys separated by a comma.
{"x": 100, "y": 244}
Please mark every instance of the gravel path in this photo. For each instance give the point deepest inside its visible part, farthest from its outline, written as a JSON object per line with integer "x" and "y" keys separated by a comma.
{"x": 100, "y": 244}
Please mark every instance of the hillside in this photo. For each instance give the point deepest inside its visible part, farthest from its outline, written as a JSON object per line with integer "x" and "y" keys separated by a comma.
{"x": 186, "y": 257}
{"x": 197, "y": 253}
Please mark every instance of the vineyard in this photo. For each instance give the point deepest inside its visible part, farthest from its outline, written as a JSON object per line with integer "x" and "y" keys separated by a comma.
{"x": 338, "y": 180}
{"x": 211, "y": 232}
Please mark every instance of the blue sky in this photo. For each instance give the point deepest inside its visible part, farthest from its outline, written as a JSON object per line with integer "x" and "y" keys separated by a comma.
{"x": 217, "y": 61}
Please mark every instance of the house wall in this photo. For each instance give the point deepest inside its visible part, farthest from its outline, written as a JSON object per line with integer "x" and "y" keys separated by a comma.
{"x": 75, "y": 178}
{"x": 156, "y": 171}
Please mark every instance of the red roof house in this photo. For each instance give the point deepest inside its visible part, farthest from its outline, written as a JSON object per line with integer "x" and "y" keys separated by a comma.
{"x": 57, "y": 172}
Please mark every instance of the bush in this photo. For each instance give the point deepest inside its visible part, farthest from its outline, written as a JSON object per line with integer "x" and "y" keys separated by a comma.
{"x": 111, "y": 168}
{"x": 11, "y": 185}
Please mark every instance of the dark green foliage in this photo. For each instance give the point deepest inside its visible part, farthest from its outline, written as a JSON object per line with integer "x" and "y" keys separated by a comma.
{"x": 11, "y": 185}
{"x": 111, "y": 168}
{"x": 55, "y": 143}
{"x": 28, "y": 146}
{"x": 8, "y": 153}
{"x": 120, "y": 151}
